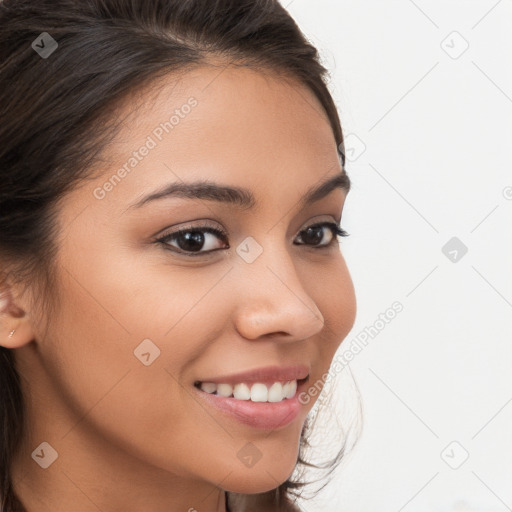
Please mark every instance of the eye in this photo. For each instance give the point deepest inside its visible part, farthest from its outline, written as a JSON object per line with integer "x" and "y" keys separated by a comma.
{"x": 315, "y": 234}
{"x": 191, "y": 240}
{"x": 197, "y": 240}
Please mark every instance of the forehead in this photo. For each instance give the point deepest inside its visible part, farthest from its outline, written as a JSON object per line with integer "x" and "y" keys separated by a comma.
{"x": 235, "y": 125}
{"x": 252, "y": 105}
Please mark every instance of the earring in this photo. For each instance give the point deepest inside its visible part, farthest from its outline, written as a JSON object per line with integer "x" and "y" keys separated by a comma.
{"x": 11, "y": 333}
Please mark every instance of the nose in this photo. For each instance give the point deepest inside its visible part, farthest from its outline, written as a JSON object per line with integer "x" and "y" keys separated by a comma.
{"x": 272, "y": 300}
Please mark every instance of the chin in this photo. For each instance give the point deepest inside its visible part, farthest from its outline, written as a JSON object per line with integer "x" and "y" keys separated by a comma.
{"x": 259, "y": 479}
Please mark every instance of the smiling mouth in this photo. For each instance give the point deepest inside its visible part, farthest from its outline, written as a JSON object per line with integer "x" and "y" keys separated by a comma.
{"x": 265, "y": 391}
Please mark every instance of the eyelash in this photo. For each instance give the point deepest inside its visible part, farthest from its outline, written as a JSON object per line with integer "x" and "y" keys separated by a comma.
{"x": 336, "y": 230}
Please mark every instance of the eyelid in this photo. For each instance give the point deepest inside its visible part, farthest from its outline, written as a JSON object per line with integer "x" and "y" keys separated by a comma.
{"x": 190, "y": 226}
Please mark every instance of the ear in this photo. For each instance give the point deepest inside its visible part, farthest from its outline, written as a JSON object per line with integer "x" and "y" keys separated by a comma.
{"x": 13, "y": 318}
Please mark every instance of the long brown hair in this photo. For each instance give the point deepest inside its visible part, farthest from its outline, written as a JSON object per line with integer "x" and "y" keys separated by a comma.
{"x": 56, "y": 118}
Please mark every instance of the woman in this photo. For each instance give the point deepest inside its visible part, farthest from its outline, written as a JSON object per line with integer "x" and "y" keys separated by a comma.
{"x": 172, "y": 287}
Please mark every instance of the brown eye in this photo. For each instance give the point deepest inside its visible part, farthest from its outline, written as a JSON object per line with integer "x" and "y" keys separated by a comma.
{"x": 193, "y": 240}
{"x": 313, "y": 235}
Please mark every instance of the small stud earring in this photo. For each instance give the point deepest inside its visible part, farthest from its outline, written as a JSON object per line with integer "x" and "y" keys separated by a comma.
{"x": 11, "y": 333}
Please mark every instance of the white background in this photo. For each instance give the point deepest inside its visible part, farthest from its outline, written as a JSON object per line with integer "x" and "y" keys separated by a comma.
{"x": 431, "y": 153}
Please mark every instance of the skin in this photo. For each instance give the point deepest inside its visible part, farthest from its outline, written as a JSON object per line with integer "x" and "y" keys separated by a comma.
{"x": 131, "y": 437}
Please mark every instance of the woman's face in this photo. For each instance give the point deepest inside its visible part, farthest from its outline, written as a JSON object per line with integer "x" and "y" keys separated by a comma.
{"x": 141, "y": 321}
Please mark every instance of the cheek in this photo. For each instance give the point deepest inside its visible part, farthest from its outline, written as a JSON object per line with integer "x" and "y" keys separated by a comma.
{"x": 334, "y": 294}
{"x": 116, "y": 316}
{"x": 106, "y": 389}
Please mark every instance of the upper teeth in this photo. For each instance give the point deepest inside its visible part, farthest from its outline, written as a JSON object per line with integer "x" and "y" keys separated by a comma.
{"x": 258, "y": 392}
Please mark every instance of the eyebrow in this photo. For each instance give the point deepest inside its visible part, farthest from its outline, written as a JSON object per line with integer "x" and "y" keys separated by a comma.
{"x": 237, "y": 196}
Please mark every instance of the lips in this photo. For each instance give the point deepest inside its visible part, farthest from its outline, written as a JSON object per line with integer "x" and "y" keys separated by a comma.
{"x": 265, "y": 375}
{"x": 260, "y": 414}
{"x": 250, "y": 403}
